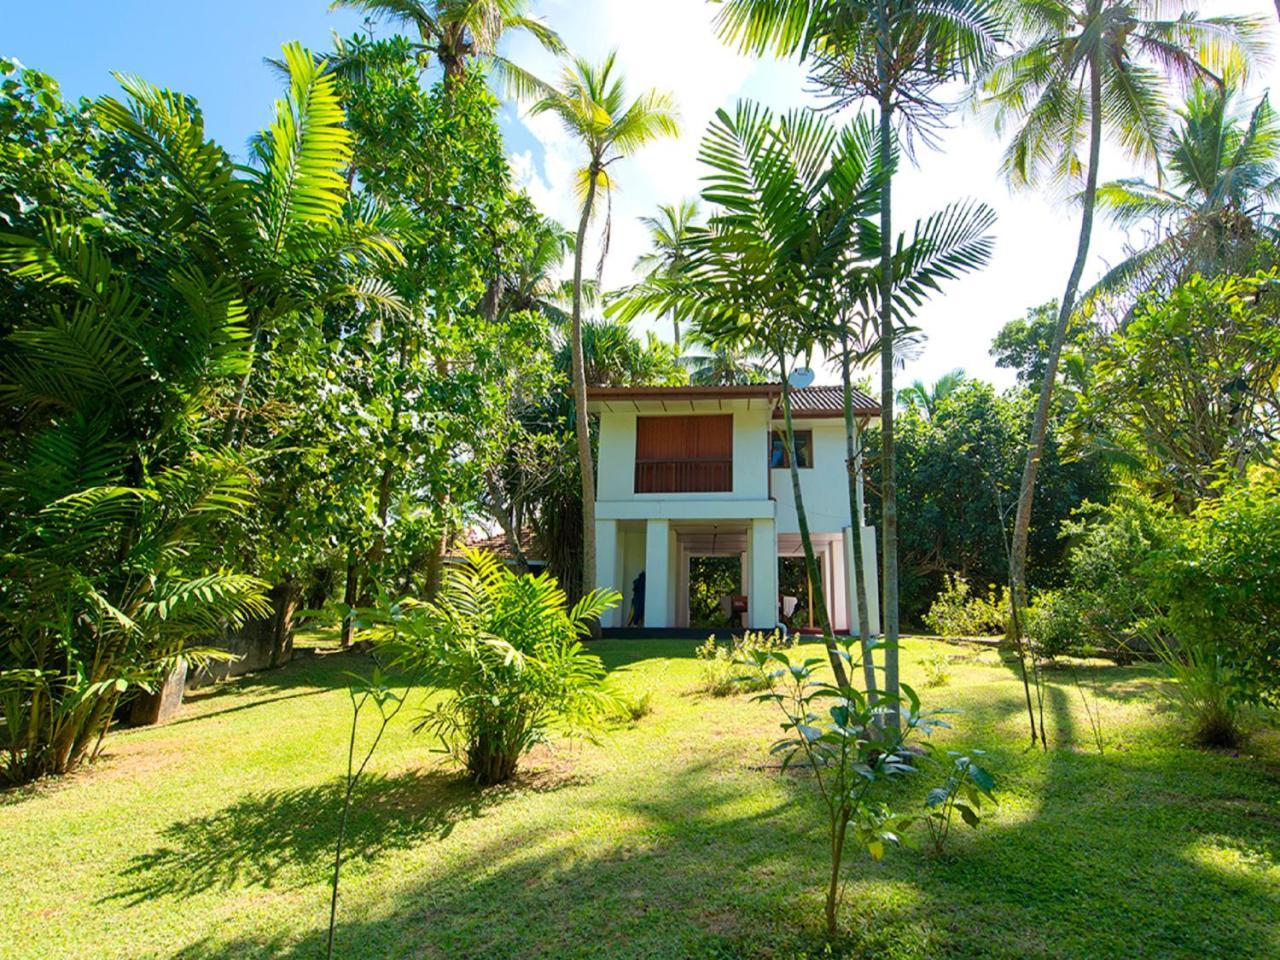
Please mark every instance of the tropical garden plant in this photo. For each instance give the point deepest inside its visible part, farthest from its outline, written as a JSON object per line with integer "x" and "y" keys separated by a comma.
{"x": 963, "y": 792}
{"x": 503, "y": 652}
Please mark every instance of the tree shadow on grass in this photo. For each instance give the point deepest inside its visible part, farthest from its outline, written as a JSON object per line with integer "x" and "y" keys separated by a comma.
{"x": 1108, "y": 861}
{"x": 285, "y": 838}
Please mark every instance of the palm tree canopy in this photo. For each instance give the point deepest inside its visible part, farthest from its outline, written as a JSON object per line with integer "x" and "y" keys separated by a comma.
{"x": 1041, "y": 89}
{"x": 669, "y": 235}
{"x": 458, "y": 31}
{"x": 931, "y": 42}
{"x": 927, "y": 397}
{"x": 592, "y": 106}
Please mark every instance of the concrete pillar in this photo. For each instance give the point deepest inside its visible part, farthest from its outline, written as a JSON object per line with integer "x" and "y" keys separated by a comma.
{"x": 607, "y": 567}
{"x": 762, "y": 593}
{"x": 872, "y": 580}
{"x": 657, "y": 573}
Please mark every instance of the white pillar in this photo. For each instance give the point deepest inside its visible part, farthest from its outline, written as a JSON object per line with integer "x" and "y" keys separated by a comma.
{"x": 870, "y": 578}
{"x": 657, "y": 573}
{"x": 762, "y": 594}
{"x": 607, "y": 567}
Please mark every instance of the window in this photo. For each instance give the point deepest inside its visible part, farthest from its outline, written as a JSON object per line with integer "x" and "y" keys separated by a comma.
{"x": 684, "y": 454}
{"x": 778, "y": 449}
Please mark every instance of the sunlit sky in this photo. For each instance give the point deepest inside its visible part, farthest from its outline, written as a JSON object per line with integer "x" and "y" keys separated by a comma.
{"x": 214, "y": 51}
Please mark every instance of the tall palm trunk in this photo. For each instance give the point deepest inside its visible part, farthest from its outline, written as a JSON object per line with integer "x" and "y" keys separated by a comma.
{"x": 888, "y": 453}
{"x": 1039, "y": 424}
{"x": 806, "y": 540}
{"x": 675, "y": 320}
{"x": 580, "y": 396}
{"x": 853, "y": 469}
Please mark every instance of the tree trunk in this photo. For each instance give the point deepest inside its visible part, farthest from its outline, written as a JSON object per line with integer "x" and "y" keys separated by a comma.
{"x": 509, "y": 527}
{"x": 1040, "y": 422}
{"x": 806, "y": 541}
{"x": 853, "y": 468}
{"x": 888, "y": 453}
{"x": 580, "y": 397}
{"x": 285, "y": 604}
{"x": 349, "y": 597}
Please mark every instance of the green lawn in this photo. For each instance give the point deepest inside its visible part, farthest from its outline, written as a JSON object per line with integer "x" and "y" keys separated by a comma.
{"x": 212, "y": 836}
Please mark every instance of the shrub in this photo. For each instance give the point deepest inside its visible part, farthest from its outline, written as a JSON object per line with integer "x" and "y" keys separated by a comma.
{"x": 724, "y": 667}
{"x": 962, "y": 793}
{"x": 1053, "y": 623}
{"x": 959, "y": 612}
{"x": 634, "y": 708}
{"x": 937, "y": 669}
{"x": 505, "y": 652}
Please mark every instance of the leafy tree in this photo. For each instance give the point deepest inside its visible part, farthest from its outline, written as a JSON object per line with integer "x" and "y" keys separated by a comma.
{"x": 1078, "y": 70}
{"x": 591, "y": 104}
{"x": 897, "y": 53}
{"x": 724, "y": 364}
{"x": 456, "y": 32}
{"x": 959, "y": 468}
{"x": 1191, "y": 386}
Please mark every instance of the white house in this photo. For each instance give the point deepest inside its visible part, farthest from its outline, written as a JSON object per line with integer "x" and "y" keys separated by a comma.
{"x": 700, "y": 471}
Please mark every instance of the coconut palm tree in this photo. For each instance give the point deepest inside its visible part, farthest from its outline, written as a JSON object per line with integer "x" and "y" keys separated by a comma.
{"x": 898, "y": 54}
{"x": 926, "y": 397}
{"x": 458, "y": 31}
{"x": 1078, "y": 72}
{"x": 592, "y": 105}
{"x": 669, "y": 235}
{"x": 723, "y": 364}
{"x": 1221, "y": 181}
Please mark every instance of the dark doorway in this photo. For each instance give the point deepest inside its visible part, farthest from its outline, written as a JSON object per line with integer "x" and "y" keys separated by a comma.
{"x": 793, "y": 581}
{"x": 711, "y": 579}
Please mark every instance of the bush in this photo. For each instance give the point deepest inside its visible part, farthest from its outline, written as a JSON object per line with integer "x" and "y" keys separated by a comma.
{"x": 1053, "y": 623}
{"x": 958, "y": 612}
{"x": 724, "y": 668}
{"x": 505, "y": 652}
{"x": 937, "y": 669}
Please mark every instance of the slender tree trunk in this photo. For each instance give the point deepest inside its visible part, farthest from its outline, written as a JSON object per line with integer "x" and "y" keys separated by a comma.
{"x": 888, "y": 453}
{"x": 806, "y": 541}
{"x": 350, "y": 594}
{"x": 1039, "y": 424}
{"x": 580, "y": 398}
{"x": 675, "y": 320}
{"x": 509, "y": 526}
{"x": 853, "y": 468}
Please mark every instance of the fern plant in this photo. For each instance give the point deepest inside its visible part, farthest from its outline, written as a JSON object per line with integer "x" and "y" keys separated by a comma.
{"x": 505, "y": 652}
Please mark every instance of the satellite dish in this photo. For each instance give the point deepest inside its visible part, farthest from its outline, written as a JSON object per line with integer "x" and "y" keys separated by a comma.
{"x": 800, "y": 377}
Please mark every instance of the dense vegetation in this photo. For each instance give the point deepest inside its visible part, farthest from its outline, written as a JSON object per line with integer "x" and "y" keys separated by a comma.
{"x": 237, "y": 391}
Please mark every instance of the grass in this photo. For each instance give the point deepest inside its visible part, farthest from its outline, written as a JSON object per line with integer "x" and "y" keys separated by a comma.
{"x": 673, "y": 837}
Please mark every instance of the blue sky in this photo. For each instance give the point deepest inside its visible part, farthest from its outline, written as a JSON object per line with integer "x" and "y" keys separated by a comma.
{"x": 214, "y": 51}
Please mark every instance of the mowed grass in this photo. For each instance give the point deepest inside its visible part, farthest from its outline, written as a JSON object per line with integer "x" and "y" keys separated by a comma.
{"x": 673, "y": 837}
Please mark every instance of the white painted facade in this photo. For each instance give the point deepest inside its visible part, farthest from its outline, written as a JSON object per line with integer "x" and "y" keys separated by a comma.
{"x": 659, "y": 533}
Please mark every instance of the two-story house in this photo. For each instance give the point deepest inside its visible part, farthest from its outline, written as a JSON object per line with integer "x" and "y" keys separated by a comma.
{"x": 702, "y": 471}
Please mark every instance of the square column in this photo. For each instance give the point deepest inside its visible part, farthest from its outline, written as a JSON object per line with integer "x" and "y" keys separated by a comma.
{"x": 657, "y": 573}
{"x": 871, "y": 578}
{"x": 607, "y": 567}
{"x": 762, "y": 592}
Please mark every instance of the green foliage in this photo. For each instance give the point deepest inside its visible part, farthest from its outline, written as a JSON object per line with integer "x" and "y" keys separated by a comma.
{"x": 937, "y": 669}
{"x": 1110, "y": 598}
{"x": 505, "y": 652}
{"x": 962, "y": 792}
{"x": 724, "y": 667}
{"x": 959, "y": 469}
{"x": 958, "y": 612}
{"x": 1222, "y": 588}
{"x": 1190, "y": 387}
{"x": 711, "y": 579}
{"x": 852, "y": 748}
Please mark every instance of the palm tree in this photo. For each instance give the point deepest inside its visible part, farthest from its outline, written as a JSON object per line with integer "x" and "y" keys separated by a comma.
{"x": 927, "y": 397}
{"x": 458, "y": 31}
{"x": 723, "y": 364}
{"x": 897, "y": 53}
{"x": 1079, "y": 70}
{"x": 669, "y": 235}
{"x": 1222, "y": 173}
{"x": 592, "y": 105}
